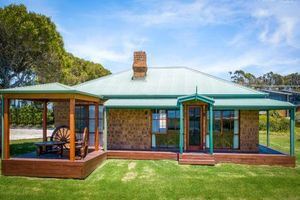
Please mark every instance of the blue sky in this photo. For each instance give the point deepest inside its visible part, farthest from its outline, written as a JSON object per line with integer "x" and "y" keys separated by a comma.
{"x": 213, "y": 36}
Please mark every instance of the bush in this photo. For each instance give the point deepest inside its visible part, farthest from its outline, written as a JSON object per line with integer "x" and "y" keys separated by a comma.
{"x": 297, "y": 118}
{"x": 29, "y": 116}
{"x": 277, "y": 123}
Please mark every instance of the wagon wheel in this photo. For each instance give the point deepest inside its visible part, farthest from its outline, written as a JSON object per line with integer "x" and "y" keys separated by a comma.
{"x": 62, "y": 134}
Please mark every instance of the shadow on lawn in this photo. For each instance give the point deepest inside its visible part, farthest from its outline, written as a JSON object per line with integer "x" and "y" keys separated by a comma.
{"x": 22, "y": 148}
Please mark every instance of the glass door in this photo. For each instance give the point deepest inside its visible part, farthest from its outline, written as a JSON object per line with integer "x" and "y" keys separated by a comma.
{"x": 194, "y": 128}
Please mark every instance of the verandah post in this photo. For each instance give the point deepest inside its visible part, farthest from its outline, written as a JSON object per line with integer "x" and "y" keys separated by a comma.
{"x": 45, "y": 121}
{"x": 2, "y": 128}
{"x": 72, "y": 129}
{"x": 292, "y": 132}
{"x": 211, "y": 143}
{"x": 181, "y": 130}
{"x": 6, "y": 150}
{"x": 96, "y": 126}
{"x": 268, "y": 128}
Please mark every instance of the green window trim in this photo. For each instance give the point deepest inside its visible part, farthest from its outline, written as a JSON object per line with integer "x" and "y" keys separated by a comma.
{"x": 226, "y": 126}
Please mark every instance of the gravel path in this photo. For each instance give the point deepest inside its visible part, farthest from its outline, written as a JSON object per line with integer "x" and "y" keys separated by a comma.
{"x": 26, "y": 133}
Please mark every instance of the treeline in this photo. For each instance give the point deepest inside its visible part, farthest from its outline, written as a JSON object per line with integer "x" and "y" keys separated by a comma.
{"x": 32, "y": 51}
{"x": 268, "y": 79}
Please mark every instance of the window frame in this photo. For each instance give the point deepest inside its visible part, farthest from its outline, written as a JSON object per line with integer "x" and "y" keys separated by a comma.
{"x": 221, "y": 128}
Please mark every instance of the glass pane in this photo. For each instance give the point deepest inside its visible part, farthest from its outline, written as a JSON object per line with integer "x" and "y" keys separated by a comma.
{"x": 92, "y": 111}
{"x": 194, "y": 126}
{"x": 171, "y": 114}
{"x": 92, "y": 125}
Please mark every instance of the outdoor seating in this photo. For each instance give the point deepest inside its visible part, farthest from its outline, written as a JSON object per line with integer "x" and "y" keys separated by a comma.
{"x": 81, "y": 148}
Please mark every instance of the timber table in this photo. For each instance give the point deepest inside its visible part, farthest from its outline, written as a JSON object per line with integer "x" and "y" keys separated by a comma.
{"x": 48, "y": 147}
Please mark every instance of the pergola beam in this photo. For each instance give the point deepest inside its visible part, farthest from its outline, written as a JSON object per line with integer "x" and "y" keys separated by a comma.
{"x": 52, "y": 96}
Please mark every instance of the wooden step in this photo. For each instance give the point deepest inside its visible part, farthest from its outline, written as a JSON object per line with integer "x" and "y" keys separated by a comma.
{"x": 196, "y": 156}
{"x": 197, "y": 162}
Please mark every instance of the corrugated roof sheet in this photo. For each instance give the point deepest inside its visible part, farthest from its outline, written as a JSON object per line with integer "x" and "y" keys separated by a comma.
{"x": 248, "y": 103}
{"x": 46, "y": 88}
{"x": 167, "y": 81}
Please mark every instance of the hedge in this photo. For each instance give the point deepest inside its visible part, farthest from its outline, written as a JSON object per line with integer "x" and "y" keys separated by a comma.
{"x": 30, "y": 115}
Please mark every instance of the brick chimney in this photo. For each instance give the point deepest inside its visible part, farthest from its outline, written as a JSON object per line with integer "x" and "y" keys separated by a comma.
{"x": 139, "y": 65}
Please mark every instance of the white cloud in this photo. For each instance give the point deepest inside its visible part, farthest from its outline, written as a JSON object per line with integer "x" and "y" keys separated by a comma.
{"x": 180, "y": 13}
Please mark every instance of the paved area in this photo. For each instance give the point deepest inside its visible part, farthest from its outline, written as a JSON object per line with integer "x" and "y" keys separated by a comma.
{"x": 26, "y": 133}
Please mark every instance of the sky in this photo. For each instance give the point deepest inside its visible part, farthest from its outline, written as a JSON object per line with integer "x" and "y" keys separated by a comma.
{"x": 212, "y": 36}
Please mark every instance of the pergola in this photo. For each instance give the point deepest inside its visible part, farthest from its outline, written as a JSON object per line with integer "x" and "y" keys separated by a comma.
{"x": 54, "y": 92}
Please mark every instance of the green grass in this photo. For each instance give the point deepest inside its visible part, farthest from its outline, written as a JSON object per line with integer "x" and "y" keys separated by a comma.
{"x": 22, "y": 146}
{"x": 127, "y": 179}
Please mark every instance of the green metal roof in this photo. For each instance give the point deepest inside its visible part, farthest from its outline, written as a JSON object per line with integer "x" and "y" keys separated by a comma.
{"x": 195, "y": 97}
{"x": 49, "y": 88}
{"x": 255, "y": 104}
{"x": 165, "y": 82}
{"x": 242, "y": 103}
{"x": 141, "y": 103}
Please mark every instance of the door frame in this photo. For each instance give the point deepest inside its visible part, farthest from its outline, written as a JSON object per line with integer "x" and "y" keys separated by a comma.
{"x": 203, "y": 126}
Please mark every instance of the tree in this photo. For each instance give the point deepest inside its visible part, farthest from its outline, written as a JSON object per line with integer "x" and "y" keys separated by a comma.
{"x": 78, "y": 70}
{"x": 30, "y": 48}
{"x": 271, "y": 79}
{"x": 241, "y": 77}
{"x": 32, "y": 51}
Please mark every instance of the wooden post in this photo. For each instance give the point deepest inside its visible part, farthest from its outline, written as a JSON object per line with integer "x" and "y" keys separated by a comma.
{"x": 181, "y": 130}
{"x": 72, "y": 129}
{"x": 268, "y": 128}
{"x": 292, "y": 132}
{"x": 6, "y": 129}
{"x": 45, "y": 121}
{"x": 211, "y": 117}
{"x": 96, "y": 126}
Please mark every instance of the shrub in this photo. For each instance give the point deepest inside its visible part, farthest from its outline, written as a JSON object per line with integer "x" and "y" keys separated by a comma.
{"x": 277, "y": 123}
{"x": 30, "y": 116}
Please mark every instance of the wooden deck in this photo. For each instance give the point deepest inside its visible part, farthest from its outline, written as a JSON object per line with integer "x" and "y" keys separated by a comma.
{"x": 55, "y": 168}
{"x": 80, "y": 169}
{"x": 142, "y": 155}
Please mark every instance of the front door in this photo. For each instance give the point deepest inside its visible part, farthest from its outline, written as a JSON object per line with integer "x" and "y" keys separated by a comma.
{"x": 194, "y": 128}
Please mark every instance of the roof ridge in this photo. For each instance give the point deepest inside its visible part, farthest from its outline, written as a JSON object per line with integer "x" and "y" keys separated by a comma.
{"x": 65, "y": 86}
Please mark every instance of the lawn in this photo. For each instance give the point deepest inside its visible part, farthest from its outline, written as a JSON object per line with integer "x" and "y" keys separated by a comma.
{"x": 128, "y": 179}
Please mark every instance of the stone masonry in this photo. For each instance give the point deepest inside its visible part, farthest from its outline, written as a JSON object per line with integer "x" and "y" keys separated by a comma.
{"x": 249, "y": 122}
{"x": 61, "y": 113}
{"x": 129, "y": 129}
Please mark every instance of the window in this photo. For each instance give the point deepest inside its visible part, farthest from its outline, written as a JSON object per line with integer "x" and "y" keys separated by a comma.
{"x": 173, "y": 120}
{"x": 85, "y": 117}
{"x": 80, "y": 119}
{"x": 165, "y": 128}
{"x": 159, "y": 121}
{"x": 226, "y": 129}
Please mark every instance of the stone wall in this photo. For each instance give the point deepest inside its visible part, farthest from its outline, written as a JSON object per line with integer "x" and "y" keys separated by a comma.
{"x": 249, "y": 129}
{"x": 61, "y": 113}
{"x": 129, "y": 129}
